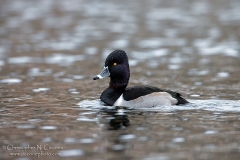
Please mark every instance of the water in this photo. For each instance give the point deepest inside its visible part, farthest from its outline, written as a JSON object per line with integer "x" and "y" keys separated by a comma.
{"x": 211, "y": 105}
{"x": 49, "y": 104}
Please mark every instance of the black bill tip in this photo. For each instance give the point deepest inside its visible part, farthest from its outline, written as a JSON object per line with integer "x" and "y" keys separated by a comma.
{"x": 95, "y": 77}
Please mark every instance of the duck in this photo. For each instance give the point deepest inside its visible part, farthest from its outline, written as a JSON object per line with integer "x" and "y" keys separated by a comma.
{"x": 118, "y": 94}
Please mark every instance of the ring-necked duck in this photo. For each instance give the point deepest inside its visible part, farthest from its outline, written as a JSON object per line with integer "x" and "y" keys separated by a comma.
{"x": 117, "y": 68}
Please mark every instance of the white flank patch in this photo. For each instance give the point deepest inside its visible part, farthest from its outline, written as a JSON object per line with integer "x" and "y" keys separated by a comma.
{"x": 150, "y": 100}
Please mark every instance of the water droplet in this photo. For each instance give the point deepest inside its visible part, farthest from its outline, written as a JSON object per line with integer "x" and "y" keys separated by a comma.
{"x": 149, "y": 43}
{"x": 148, "y": 74}
{"x": 223, "y": 74}
{"x": 202, "y": 43}
{"x": 151, "y": 54}
{"x": 140, "y": 128}
{"x": 20, "y": 60}
{"x": 38, "y": 72}
{"x": 157, "y": 158}
{"x": 91, "y": 50}
{"x": 197, "y": 72}
{"x": 178, "y": 140}
{"x": 195, "y": 95}
{"x": 71, "y": 153}
{"x": 127, "y": 137}
{"x": 11, "y": 80}
{"x": 48, "y": 127}
{"x": 68, "y": 80}
{"x": 117, "y": 147}
{"x": 64, "y": 59}
{"x": 185, "y": 119}
{"x": 70, "y": 140}
{"x": 153, "y": 64}
{"x": 47, "y": 139}
{"x": 2, "y": 63}
{"x": 35, "y": 120}
{"x": 198, "y": 83}
{"x": 210, "y": 132}
{"x": 75, "y": 92}
{"x": 59, "y": 74}
{"x": 211, "y": 50}
{"x": 40, "y": 90}
{"x": 174, "y": 66}
{"x": 231, "y": 52}
{"x": 27, "y": 126}
{"x": 87, "y": 140}
{"x": 217, "y": 113}
{"x": 72, "y": 89}
{"x": 78, "y": 77}
{"x": 121, "y": 43}
{"x": 133, "y": 62}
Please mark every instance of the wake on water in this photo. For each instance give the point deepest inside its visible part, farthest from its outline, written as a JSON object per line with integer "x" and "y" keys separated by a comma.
{"x": 211, "y": 105}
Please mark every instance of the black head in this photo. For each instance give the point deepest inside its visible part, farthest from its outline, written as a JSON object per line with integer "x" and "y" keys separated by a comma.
{"x": 117, "y": 67}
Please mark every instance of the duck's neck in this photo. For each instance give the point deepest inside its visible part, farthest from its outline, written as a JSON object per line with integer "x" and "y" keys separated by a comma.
{"x": 119, "y": 84}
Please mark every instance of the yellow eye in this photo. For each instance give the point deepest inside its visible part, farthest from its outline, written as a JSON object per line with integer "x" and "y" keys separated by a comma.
{"x": 115, "y": 64}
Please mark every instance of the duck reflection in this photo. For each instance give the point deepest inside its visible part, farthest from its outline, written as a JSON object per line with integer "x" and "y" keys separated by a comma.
{"x": 119, "y": 119}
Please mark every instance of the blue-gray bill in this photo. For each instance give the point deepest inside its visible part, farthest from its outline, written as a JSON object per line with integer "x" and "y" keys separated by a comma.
{"x": 105, "y": 73}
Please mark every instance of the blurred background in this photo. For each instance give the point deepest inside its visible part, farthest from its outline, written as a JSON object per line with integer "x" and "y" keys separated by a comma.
{"x": 192, "y": 46}
{"x": 51, "y": 49}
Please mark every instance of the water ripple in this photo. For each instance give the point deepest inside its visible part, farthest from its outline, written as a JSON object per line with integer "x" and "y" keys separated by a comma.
{"x": 211, "y": 105}
{"x": 11, "y": 80}
{"x": 71, "y": 153}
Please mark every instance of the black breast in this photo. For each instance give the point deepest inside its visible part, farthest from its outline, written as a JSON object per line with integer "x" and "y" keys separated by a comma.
{"x": 110, "y": 95}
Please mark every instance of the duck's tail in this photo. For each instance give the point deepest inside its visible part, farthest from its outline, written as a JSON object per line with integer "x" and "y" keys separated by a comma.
{"x": 178, "y": 96}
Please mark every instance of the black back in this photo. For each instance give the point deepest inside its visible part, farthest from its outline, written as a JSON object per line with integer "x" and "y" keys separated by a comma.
{"x": 138, "y": 91}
